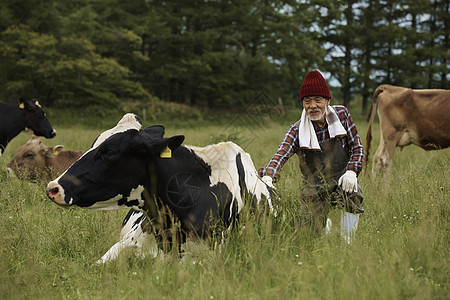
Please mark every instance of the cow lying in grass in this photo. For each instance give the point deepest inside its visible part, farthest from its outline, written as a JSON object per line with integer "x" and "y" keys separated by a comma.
{"x": 34, "y": 160}
{"x": 15, "y": 118}
{"x": 132, "y": 168}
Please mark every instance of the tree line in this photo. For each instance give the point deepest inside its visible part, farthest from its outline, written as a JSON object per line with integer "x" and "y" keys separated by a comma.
{"x": 218, "y": 53}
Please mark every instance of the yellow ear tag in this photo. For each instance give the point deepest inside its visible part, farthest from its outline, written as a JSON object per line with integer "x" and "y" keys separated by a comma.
{"x": 21, "y": 105}
{"x": 55, "y": 153}
{"x": 166, "y": 153}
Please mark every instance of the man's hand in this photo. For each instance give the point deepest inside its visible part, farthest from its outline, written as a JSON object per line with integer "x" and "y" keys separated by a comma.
{"x": 349, "y": 182}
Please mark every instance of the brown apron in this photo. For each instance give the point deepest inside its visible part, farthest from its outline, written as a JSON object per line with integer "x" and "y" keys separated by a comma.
{"x": 321, "y": 171}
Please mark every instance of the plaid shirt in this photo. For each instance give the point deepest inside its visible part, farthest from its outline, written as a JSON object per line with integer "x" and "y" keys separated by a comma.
{"x": 351, "y": 143}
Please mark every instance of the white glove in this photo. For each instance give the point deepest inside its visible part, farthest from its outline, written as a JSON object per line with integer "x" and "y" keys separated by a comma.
{"x": 349, "y": 182}
{"x": 267, "y": 180}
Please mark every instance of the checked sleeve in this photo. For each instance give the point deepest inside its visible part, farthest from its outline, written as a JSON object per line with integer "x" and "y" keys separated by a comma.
{"x": 284, "y": 152}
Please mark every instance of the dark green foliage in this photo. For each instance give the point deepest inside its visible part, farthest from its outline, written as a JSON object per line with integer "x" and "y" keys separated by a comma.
{"x": 66, "y": 70}
{"x": 216, "y": 53}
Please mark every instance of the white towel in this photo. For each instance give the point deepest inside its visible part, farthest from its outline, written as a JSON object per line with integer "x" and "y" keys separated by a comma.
{"x": 307, "y": 135}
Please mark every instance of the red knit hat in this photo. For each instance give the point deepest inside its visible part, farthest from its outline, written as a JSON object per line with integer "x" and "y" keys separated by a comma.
{"x": 314, "y": 85}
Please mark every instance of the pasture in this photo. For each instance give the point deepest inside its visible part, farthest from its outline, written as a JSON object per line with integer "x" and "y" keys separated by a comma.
{"x": 401, "y": 250}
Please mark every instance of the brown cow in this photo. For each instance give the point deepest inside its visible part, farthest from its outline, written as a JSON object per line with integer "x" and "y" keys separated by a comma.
{"x": 407, "y": 116}
{"x": 35, "y": 160}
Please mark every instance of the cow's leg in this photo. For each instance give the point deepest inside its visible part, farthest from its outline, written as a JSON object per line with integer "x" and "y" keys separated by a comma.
{"x": 113, "y": 252}
{"x": 133, "y": 236}
{"x": 142, "y": 242}
{"x": 382, "y": 160}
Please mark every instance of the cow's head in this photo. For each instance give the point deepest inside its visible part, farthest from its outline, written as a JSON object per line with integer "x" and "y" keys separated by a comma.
{"x": 30, "y": 160}
{"x": 35, "y": 118}
{"x": 113, "y": 173}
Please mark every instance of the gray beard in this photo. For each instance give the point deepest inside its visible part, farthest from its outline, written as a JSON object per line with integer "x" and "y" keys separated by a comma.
{"x": 317, "y": 118}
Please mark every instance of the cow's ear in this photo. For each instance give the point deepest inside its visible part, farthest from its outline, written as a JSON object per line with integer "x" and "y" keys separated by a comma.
{"x": 54, "y": 151}
{"x": 36, "y": 102}
{"x": 23, "y": 104}
{"x": 169, "y": 145}
{"x": 156, "y": 131}
{"x": 175, "y": 142}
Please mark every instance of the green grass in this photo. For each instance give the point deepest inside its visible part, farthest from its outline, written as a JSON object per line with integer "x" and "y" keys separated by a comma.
{"x": 401, "y": 251}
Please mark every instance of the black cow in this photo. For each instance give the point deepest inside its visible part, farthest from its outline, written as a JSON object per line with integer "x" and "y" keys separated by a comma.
{"x": 194, "y": 185}
{"x": 15, "y": 118}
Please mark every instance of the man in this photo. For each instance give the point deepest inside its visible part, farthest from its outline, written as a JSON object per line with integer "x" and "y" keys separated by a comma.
{"x": 330, "y": 154}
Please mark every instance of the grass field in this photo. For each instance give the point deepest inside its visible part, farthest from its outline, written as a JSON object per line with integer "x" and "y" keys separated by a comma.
{"x": 401, "y": 250}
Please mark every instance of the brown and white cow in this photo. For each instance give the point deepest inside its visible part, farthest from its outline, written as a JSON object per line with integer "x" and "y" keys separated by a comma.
{"x": 407, "y": 116}
{"x": 34, "y": 160}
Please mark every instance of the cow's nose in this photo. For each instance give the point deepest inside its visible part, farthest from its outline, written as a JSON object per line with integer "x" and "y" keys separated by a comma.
{"x": 56, "y": 193}
{"x": 53, "y": 133}
{"x": 52, "y": 192}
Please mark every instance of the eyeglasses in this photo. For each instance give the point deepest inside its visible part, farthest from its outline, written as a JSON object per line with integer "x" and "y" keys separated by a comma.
{"x": 318, "y": 100}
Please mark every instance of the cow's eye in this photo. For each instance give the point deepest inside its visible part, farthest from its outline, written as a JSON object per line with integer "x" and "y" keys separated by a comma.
{"x": 28, "y": 155}
{"x": 108, "y": 154}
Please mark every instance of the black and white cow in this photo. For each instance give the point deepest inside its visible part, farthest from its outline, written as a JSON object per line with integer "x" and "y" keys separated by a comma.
{"x": 128, "y": 167}
{"x": 15, "y": 118}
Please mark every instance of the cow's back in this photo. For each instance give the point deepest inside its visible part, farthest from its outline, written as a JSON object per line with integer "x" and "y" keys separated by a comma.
{"x": 421, "y": 114}
{"x": 233, "y": 166}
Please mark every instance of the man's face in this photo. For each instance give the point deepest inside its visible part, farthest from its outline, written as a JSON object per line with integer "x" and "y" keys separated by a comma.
{"x": 315, "y": 107}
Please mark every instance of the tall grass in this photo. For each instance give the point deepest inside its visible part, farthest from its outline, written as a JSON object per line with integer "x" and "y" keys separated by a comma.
{"x": 401, "y": 250}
